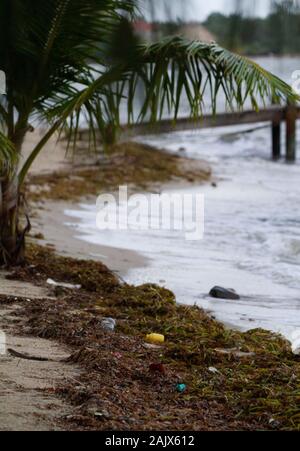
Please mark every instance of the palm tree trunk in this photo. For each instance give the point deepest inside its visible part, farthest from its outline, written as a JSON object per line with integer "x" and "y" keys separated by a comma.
{"x": 12, "y": 239}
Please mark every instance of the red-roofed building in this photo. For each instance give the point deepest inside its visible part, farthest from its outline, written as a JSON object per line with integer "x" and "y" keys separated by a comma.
{"x": 144, "y": 29}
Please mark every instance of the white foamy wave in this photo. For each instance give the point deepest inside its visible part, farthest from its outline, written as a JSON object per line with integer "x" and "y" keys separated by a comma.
{"x": 294, "y": 247}
{"x": 252, "y": 231}
{"x": 295, "y": 340}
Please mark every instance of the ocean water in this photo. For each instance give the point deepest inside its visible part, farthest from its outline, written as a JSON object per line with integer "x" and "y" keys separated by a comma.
{"x": 252, "y": 229}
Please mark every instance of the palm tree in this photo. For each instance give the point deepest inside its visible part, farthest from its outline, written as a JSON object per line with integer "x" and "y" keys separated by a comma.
{"x": 67, "y": 59}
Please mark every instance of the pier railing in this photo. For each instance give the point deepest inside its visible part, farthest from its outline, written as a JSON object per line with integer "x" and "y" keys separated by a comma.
{"x": 275, "y": 115}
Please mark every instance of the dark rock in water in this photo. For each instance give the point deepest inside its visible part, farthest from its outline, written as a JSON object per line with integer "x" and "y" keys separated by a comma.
{"x": 224, "y": 293}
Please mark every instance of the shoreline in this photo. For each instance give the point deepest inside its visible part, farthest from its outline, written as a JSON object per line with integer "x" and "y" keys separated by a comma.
{"x": 50, "y": 222}
{"x": 55, "y": 227}
{"x": 226, "y": 372}
{"x": 50, "y": 198}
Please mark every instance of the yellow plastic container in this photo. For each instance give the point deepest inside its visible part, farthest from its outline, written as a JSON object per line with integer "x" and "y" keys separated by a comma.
{"x": 155, "y": 338}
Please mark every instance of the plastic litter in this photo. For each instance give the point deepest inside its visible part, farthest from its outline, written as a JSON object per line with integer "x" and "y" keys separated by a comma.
{"x": 213, "y": 370}
{"x": 155, "y": 338}
{"x": 274, "y": 423}
{"x": 151, "y": 346}
{"x": 108, "y": 324}
{"x": 63, "y": 285}
{"x": 181, "y": 388}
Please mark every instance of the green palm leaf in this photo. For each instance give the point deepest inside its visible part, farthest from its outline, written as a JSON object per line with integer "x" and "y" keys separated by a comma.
{"x": 8, "y": 155}
{"x": 176, "y": 66}
{"x": 66, "y": 60}
{"x": 166, "y": 72}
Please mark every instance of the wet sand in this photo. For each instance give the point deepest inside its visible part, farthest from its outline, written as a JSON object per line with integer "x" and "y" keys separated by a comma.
{"x": 51, "y": 221}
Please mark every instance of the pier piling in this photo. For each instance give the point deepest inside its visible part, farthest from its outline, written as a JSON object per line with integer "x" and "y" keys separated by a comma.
{"x": 276, "y": 140}
{"x": 291, "y": 117}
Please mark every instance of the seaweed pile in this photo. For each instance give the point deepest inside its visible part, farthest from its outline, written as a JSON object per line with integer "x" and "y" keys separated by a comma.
{"x": 234, "y": 381}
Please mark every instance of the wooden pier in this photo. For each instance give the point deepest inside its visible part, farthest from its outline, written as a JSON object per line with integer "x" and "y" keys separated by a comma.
{"x": 274, "y": 115}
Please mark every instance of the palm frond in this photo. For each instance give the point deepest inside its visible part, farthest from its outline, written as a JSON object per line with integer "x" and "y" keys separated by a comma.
{"x": 8, "y": 155}
{"x": 167, "y": 72}
{"x": 61, "y": 68}
{"x": 176, "y": 67}
{"x": 47, "y": 47}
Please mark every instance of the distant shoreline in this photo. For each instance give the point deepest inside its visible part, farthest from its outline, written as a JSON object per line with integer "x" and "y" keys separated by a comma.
{"x": 272, "y": 55}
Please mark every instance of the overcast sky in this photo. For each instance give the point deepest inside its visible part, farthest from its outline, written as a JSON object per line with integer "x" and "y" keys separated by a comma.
{"x": 204, "y": 8}
{"x": 200, "y": 9}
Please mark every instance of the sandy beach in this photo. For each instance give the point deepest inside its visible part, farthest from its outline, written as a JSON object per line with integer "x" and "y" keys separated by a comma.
{"x": 71, "y": 370}
{"x": 36, "y": 381}
{"x": 49, "y": 216}
{"x": 51, "y": 221}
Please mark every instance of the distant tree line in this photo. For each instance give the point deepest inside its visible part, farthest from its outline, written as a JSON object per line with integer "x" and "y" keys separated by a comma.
{"x": 278, "y": 33}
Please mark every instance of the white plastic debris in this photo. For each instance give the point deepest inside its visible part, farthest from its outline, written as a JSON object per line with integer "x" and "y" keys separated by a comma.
{"x": 108, "y": 324}
{"x": 2, "y": 343}
{"x": 152, "y": 346}
{"x": 213, "y": 370}
{"x": 63, "y": 285}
